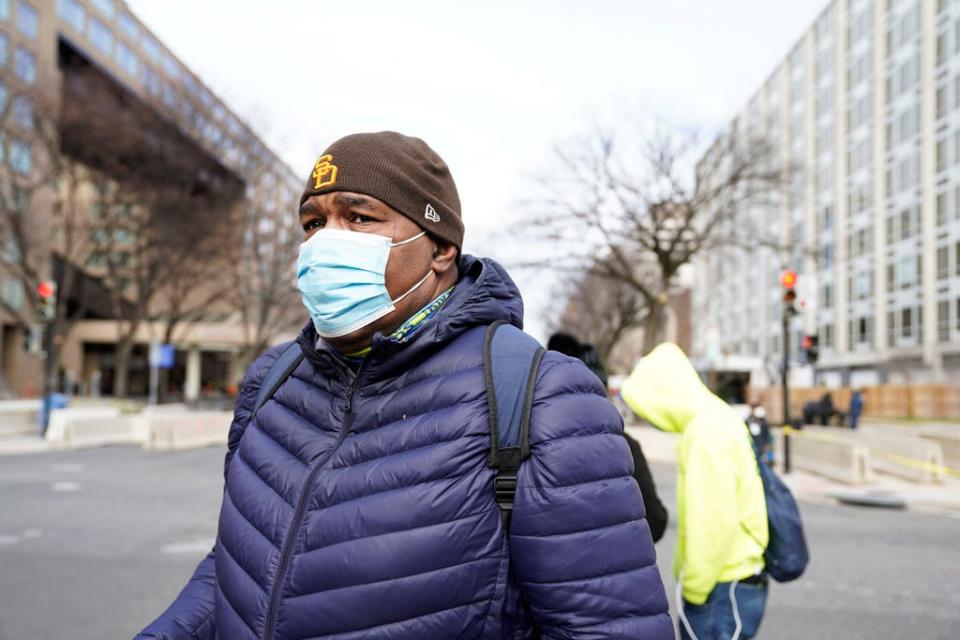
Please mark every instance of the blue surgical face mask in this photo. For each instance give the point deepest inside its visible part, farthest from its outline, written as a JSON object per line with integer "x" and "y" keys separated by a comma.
{"x": 342, "y": 281}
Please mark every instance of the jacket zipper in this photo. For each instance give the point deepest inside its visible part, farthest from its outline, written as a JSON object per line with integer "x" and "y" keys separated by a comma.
{"x": 287, "y": 550}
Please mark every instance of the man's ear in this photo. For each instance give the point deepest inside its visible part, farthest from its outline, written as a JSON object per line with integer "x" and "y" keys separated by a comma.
{"x": 444, "y": 256}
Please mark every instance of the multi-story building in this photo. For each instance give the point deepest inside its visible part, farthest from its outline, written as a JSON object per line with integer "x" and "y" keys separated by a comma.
{"x": 864, "y": 114}
{"x": 88, "y": 92}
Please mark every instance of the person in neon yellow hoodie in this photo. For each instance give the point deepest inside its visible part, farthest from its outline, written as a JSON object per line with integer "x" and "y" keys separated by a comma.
{"x": 721, "y": 510}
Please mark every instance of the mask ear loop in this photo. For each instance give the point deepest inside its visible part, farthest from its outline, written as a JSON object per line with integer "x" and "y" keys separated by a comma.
{"x": 408, "y": 240}
{"x": 423, "y": 279}
{"x": 413, "y": 288}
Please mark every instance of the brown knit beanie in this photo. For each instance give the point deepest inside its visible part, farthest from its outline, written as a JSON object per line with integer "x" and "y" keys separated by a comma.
{"x": 399, "y": 170}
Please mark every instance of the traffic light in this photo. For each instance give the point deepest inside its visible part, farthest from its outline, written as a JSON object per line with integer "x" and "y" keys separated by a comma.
{"x": 811, "y": 347}
{"x": 788, "y": 280}
{"x": 47, "y": 294}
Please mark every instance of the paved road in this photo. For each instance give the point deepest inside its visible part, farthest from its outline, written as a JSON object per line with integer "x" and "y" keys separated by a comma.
{"x": 94, "y": 543}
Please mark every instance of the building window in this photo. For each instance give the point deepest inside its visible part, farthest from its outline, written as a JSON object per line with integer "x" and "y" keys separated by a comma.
{"x": 907, "y": 272}
{"x": 72, "y": 13}
{"x": 21, "y": 112}
{"x": 905, "y": 224}
{"x": 943, "y": 321}
{"x": 956, "y": 261}
{"x": 128, "y": 60}
{"x": 13, "y": 292}
{"x": 152, "y": 48}
{"x": 106, "y": 7}
{"x": 100, "y": 36}
{"x": 129, "y": 27}
{"x": 151, "y": 80}
{"x": 21, "y": 156}
{"x": 27, "y": 20}
{"x": 169, "y": 95}
{"x": 891, "y": 329}
{"x": 941, "y": 209}
{"x": 25, "y": 65}
{"x": 906, "y": 322}
{"x": 943, "y": 263}
{"x": 171, "y": 67}
{"x": 864, "y": 330}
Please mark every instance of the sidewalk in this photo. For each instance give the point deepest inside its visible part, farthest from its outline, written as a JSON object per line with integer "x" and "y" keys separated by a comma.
{"x": 659, "y": 446}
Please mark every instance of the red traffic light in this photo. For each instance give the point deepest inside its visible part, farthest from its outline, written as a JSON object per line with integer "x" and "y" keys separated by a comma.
{"x": 788, "y": 279}
{"x": 46, "y": 289}
{"x": 808, "y": 342}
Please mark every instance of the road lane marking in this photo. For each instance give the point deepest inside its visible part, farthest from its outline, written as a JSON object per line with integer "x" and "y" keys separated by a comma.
{"x": 189, "y": 547}
{"x": 66, "y": 486}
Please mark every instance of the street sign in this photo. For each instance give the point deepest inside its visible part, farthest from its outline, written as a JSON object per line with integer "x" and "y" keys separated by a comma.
{"x": 162, "y": 356}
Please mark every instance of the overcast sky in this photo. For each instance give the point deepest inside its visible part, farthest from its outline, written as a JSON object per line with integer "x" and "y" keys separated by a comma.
{"x": 490, "y": 85}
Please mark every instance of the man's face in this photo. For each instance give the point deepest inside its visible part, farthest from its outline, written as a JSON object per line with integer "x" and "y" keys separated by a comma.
{"x": 407, "y": 265}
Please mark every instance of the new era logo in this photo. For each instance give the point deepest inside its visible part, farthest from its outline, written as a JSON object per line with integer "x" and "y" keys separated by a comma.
{"x": 431, "y": 214}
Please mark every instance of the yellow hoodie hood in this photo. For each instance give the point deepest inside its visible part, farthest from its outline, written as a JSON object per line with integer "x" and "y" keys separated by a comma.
{"x": 666, "y": 391}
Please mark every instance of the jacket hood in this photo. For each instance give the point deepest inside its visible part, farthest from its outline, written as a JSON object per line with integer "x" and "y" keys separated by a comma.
{"x": 666, "y": 391}
{"x": 484, "y": 294}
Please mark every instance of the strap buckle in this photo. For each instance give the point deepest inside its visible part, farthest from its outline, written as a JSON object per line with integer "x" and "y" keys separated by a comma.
{"x": 504, "y": 490}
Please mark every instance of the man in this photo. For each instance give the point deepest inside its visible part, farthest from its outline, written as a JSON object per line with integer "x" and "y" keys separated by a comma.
{"x": 358, "y": 500}
{"x": 656, "y": 513}
{"x": 721, "y": 509}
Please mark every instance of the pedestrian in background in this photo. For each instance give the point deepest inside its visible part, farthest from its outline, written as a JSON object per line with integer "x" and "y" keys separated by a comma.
{"x": 856, "y": 408}
{"x": 759, "y": 428}
{"x": 721, "y": 508}
{"x": 656, "y": 512}
{"x": 359, "y": 498}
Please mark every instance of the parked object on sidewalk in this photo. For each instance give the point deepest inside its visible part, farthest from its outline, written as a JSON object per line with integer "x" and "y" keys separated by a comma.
{"x": 656, "y": 512}
{"x": 721, "y": 509}
{"x": 363, "y": 497}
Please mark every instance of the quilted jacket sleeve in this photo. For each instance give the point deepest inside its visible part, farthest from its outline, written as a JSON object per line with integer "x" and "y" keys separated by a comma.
{"x": 190, "y": 617}
{"x": 581, "y": 550}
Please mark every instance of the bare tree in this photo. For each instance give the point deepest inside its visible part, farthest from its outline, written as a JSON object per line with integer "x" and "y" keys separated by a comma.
{"x": 43, "y": 217}
{"x": 264, "y": 292}
{"x": 637, "y": 217}
{"x": 601, "y": 311}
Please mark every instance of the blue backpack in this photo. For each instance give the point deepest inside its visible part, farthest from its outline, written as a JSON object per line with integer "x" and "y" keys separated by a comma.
{"x": 511, "y": 359}
{"x": 786, "y": 555}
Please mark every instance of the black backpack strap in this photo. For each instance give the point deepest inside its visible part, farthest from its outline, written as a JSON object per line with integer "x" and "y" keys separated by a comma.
{"x": 511, "y": 359}
{"x": 279, "y": 371}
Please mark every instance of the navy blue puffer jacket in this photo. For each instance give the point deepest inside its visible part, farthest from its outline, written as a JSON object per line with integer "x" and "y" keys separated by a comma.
{"x": 359, "y": 505}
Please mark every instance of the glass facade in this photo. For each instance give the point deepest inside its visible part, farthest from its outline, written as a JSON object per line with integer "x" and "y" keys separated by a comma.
{"x": 871, "y": 218}
{"x": 27, "y": 20}
{"x": 73, "y": 13}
